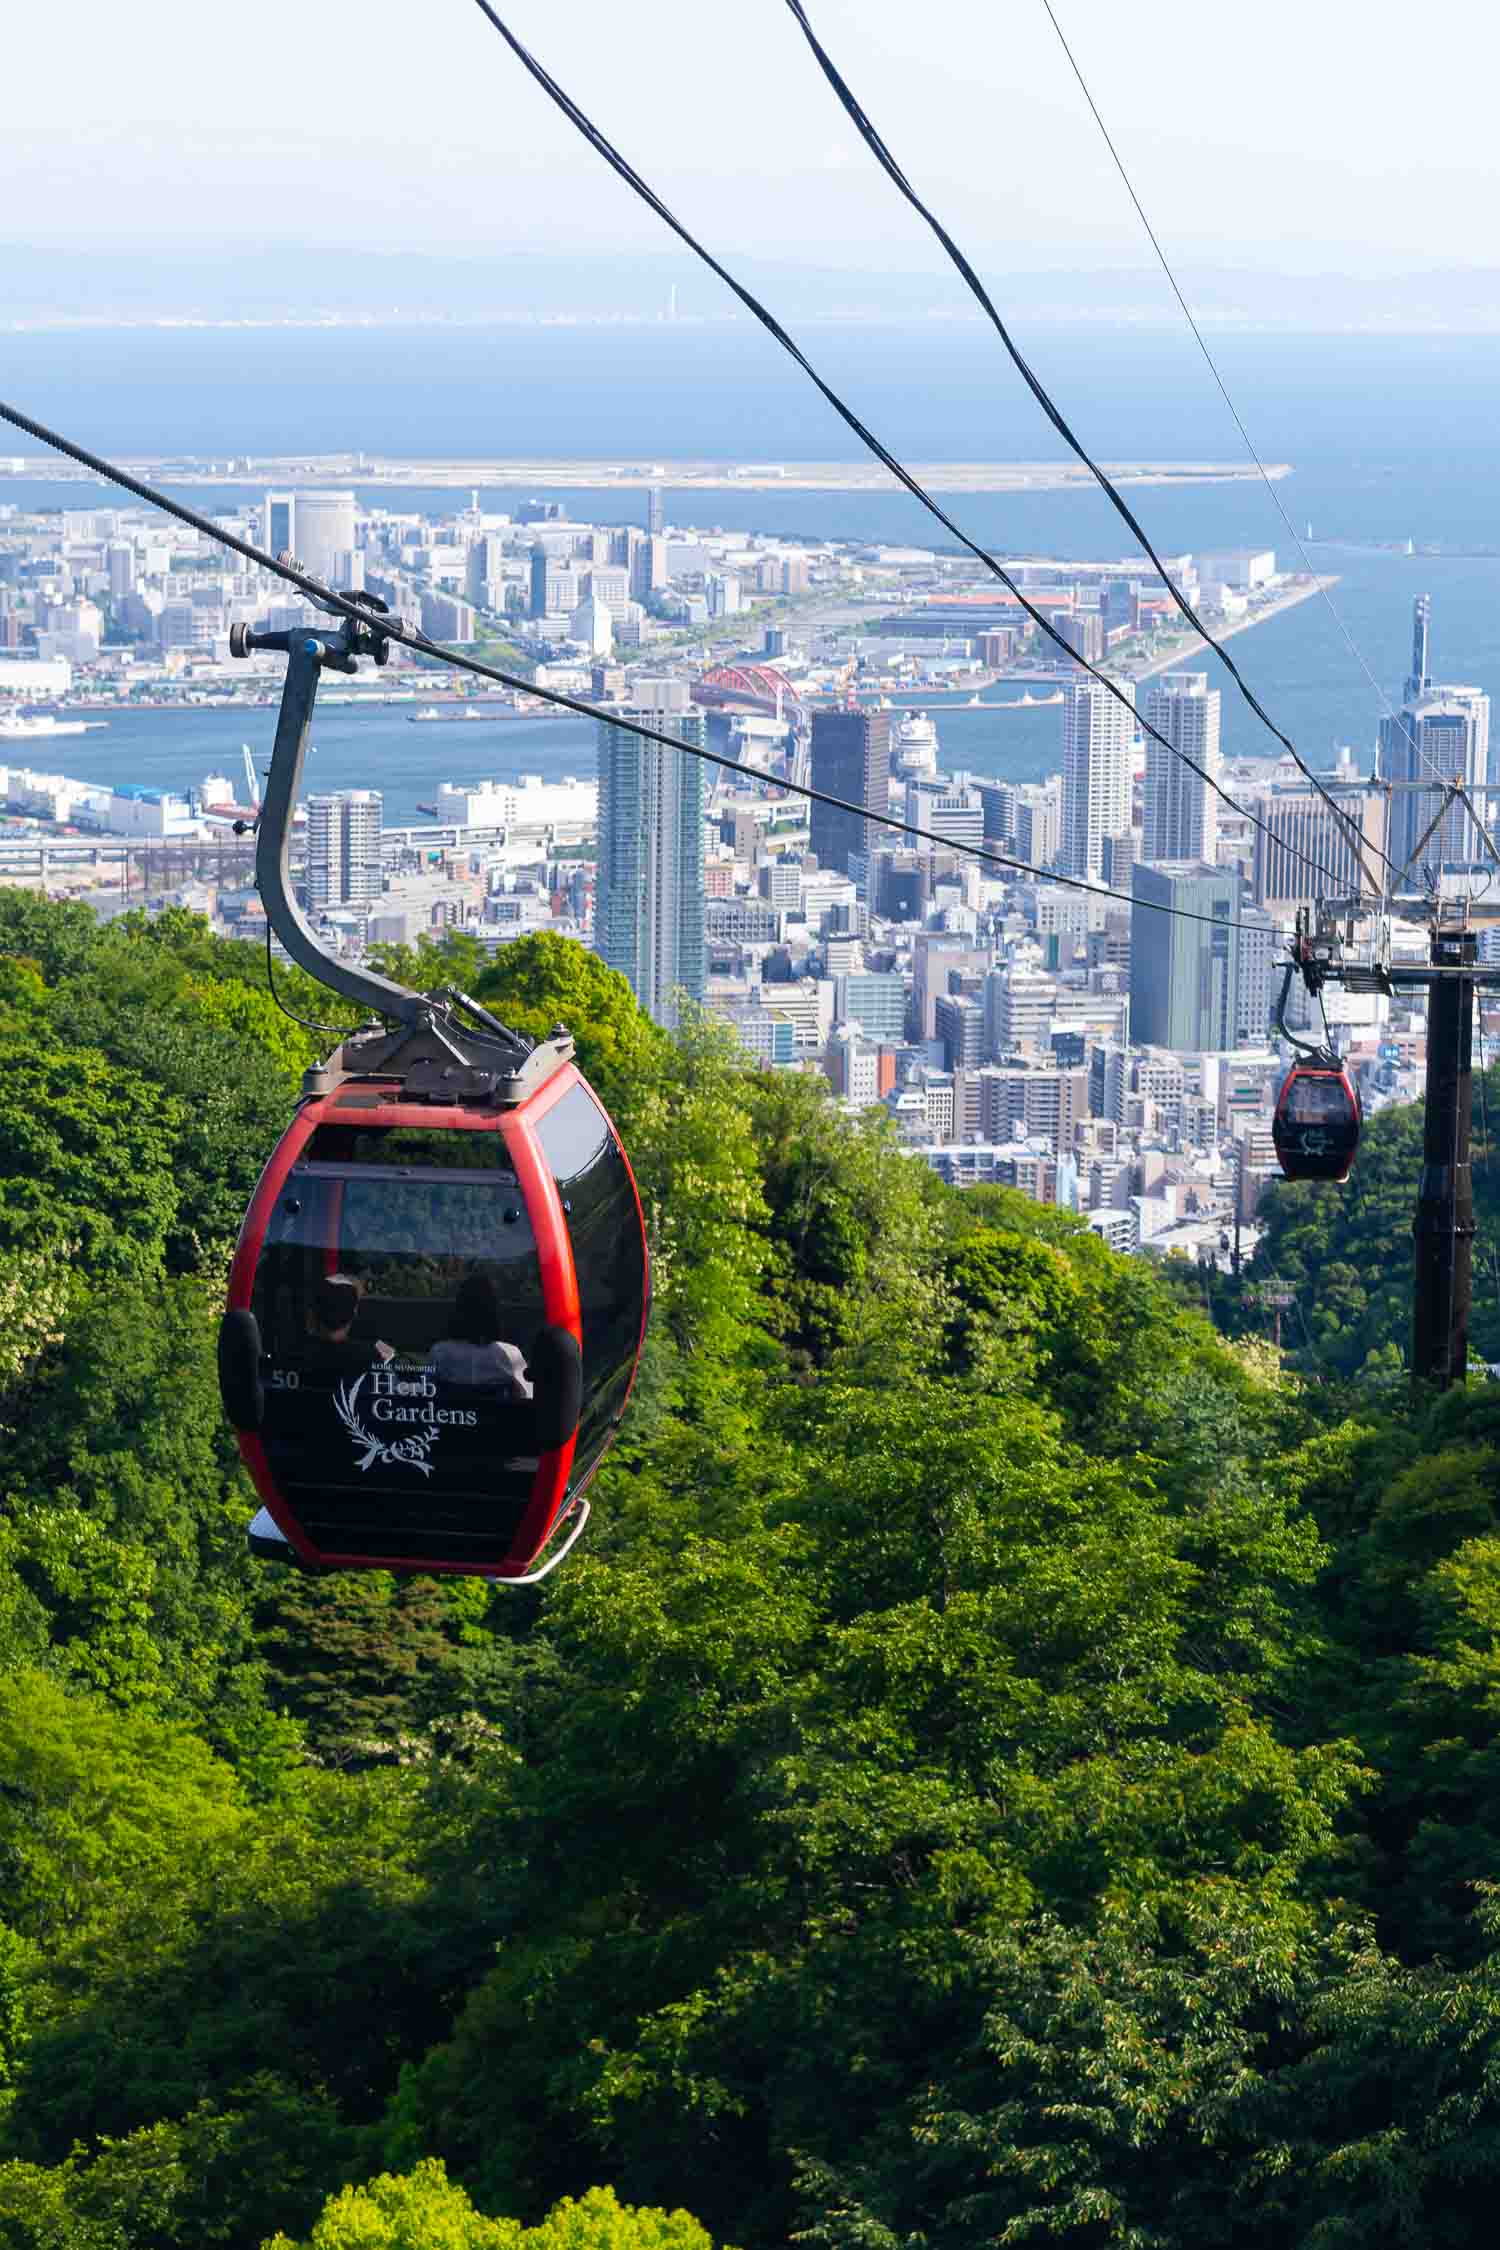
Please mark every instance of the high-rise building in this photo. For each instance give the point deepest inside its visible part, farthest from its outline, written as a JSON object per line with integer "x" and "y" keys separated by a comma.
{"x": 941, "y": 963}
{"x": 1262, "y": 956}
{"x": 1184, "y": 974}
{"x": 484, "y": 572}
{"x": 1083, "y": 630}
{"x": 446, "y": 618}
{"x": 656, "y": 514}
{"x": 1441, "y": 733}
{"x": 1019, "y": 1010}
{"x": 280, "y": 523}
{"x": 649, "y": 569}
{"x": 851, "y": 758}
{"x": 324, "y": 526}
{"x": 1180, "y": 808}
{"x": 1305, "y": 851}
{"x": 649, "y": 892}
{"x": 951, "y": 810}
{"x": 343, "y": 851}
{"x": 1098, "y": 732}
{"x": 609, "y": 583}
{"x": 592, "y": 624}
{"x": 1039, "y": 821}
{"x": 556, "y": 583}
{"x": 1421, "y": 627}
{"x": 958, "y": 1021}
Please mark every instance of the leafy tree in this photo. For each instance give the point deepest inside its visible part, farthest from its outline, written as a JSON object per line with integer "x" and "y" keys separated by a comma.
{"x": 359, "y": 1658}
{"x": 86, "y": 1154}
{"x": 424, "y": 2207}
{"x": 127, "y": 1508}
{"x": 60, "y": 936}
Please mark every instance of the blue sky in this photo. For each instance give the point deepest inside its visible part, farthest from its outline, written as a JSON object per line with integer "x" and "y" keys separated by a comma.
{"x": 1295, "y": 136}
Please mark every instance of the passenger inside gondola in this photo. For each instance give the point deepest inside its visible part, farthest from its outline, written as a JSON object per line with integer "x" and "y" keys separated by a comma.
{"x": 473, "y": 1351}
{"x": 1317, "y": 1099}
{"x": 334, "y": 1311}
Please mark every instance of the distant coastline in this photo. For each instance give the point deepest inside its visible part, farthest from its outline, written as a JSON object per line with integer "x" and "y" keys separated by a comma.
{"x": 681, "y": 476}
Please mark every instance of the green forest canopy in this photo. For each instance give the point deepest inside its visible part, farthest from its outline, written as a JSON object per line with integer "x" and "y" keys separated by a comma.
{"x": 1008, "y": 1763}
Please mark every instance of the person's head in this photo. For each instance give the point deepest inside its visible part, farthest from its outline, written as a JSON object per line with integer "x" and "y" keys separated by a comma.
{"x": 476, "y": 1311}
{"x": 335, "y": 1305}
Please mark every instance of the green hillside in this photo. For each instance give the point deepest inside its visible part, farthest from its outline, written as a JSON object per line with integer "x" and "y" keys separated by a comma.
{"x": 1007, "y": 1765}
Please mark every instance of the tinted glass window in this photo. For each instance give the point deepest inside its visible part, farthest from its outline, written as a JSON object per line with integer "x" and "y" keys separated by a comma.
{"x": 574, "y": 1134}
{"x": 478, "y": 1151}
{"x": 608, "y": 1255}
{"x": 390, "y": 1246}
{"x": 1319, "y": 1101}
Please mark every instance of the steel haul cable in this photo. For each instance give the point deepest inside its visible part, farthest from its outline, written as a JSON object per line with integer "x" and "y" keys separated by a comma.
{"x": 626, "y": 171}
{"x": 343, "y": 605}
{"x": 1212, "y": 365}
{"x": 888, "y": 164}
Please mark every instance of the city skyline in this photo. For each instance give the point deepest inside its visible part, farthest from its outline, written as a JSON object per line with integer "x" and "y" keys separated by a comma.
{"x": 1007, "y": 1024}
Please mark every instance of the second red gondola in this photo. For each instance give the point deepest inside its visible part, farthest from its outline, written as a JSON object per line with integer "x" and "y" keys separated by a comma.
{"x": 1318, "y": 1119}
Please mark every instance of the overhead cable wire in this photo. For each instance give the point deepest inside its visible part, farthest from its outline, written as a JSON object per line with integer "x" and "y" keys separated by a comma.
{"x": 334, "y": 1029}
{"x": 1223, "y": 389}
{"x": 626, "y": 171}
{"x": 344, "y": 605}
{"x": 874, "y": 141}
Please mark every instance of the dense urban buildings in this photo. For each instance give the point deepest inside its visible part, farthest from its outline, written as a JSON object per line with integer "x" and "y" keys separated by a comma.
{"x": 1009, "y": 1027}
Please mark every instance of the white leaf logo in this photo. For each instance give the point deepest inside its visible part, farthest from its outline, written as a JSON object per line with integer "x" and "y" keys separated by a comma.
{"x": 409, "y": 1452}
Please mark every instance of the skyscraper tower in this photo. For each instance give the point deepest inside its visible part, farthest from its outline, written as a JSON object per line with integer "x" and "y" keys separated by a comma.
{"x": 1181, "y": 811}
{"x": 1420, "y": 625}
{"x": 648, "y": 894}
{"x": 851, "y": 758}
{"x": 1098, "y": 734}
{"x": 655, "y": 512}
{"x": 1441, "y": 733}
{"x": 279, "y": 517}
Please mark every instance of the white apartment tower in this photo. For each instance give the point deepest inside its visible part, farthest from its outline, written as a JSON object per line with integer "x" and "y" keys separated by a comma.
{"x": 343, "y": 851}
{"x": 1098, "y": 735}
{"x": 1181, "y": 809}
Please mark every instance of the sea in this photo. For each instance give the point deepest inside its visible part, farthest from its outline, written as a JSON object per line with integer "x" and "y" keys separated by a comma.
{"x": 1390, "y": 439}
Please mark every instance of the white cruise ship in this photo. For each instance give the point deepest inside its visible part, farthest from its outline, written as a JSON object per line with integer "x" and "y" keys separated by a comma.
{"x": 914, "y": 747}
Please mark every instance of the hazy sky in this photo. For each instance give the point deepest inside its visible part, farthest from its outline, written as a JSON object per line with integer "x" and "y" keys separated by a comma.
{"x": 1294, "y": 135}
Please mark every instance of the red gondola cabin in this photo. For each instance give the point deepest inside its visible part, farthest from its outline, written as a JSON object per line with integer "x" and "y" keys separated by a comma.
{"x": 435, "y": 1315}
{"x": 1317, "y": 1122}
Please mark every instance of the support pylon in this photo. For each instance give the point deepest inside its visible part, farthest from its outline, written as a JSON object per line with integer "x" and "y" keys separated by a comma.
{"x": 1443, "y": 1226}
